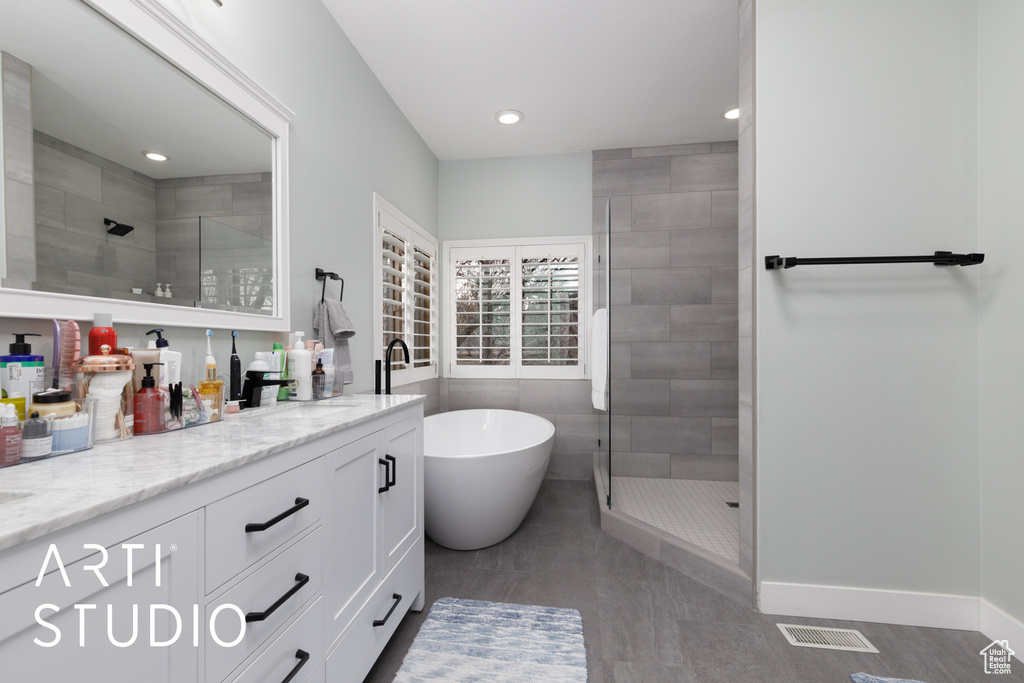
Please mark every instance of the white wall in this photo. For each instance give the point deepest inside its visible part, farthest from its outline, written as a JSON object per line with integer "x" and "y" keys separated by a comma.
{"x": 534, "y": 196}
{"x": 348, "y": 139}
{"x": 867, "y": 397}
{"x": 1000, "y": 221}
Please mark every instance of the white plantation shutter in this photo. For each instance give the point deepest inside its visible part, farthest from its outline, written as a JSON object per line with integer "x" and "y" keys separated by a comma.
{"x": 406, "y": 296}
{"x": 514, "y": 309}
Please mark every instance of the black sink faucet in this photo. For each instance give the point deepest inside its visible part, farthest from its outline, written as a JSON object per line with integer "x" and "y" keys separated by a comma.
{"x": 387, "y": 366}
{"x": 254, "y": 383}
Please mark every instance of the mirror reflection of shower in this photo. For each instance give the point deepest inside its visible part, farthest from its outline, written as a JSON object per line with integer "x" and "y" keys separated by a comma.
{"x": 235, "y": 269}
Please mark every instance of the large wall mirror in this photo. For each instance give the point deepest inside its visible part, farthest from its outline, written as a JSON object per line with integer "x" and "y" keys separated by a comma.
{"x": 93, "y": 223}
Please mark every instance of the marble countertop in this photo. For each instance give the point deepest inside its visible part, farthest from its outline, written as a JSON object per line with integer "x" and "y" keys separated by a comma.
{"x": 37, "y": 498}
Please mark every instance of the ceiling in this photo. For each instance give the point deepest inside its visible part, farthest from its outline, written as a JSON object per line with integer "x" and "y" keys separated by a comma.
{"x": 96, "y": 87}
{"x": 587, "y": 74}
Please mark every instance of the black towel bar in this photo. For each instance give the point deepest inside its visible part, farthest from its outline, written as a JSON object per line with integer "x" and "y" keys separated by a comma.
{"x": 940, "y": 258}
{"x": 323, "y": 275}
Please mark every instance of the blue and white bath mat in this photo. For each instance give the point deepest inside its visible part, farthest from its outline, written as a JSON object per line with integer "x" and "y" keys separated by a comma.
{"x": 473, "y": 640}
{"x": 868, "y": 678}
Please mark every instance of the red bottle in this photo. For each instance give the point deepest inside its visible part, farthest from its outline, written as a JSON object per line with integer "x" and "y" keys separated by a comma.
{"x": 102, "y": 333}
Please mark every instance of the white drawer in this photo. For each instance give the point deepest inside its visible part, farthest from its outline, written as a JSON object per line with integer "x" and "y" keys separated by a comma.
{"x": 259, "y": 592}
{"x": 360, "y": 645}
{"x": 230, "y": 548}
{"x": 286, "y": 654}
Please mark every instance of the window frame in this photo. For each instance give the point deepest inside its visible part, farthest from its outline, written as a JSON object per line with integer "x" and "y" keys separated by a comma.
{"x": 416, "y": 238}
{"x": 514, "y": 249}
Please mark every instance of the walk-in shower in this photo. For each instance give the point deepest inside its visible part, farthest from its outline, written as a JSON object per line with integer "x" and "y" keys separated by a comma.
{"x": 665, "y": 271}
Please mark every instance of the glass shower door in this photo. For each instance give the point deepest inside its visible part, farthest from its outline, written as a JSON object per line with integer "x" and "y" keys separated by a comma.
{"x": 602, "y": 300}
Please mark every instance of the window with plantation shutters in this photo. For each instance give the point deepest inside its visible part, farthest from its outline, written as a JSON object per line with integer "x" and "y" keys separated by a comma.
{"x": 514, "y": 308}
{"x": 405, "y": 299}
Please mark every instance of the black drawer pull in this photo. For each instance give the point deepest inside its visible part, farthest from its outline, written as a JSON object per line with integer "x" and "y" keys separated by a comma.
{"x": 394, "y": 470}
{"x": 254, "y": 526}
{"x": 387, "y": 475}
{"x": 302, "y": 580}
{"x": 380, "y": 622}
{"x": 303, "y": 657}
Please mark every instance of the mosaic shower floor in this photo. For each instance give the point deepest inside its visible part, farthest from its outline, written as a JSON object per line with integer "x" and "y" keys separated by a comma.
{"x": 695, "y": 511}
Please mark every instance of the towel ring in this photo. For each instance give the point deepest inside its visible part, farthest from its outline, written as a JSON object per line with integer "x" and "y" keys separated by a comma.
{"x": 323, "y": 276}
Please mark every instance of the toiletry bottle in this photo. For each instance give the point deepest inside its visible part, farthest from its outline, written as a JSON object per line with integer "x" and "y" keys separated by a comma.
{"x": 283, "y": 392}
{"x": 235, "y": 371}
{"x": 150, "y": 404}
{"x": 300, "y": 369}
{"x": 101, "y": 333}
{"x": 318, "y": 379}
{"x": 211, "y": 389}
{"x": 327, "y": 357}
{"x": 167, "y": 291}
{"x": 10, "y": 436}
{"x": 21, "y": 371}
{"x": 159, "y": 291}
{"x": 36, "y": 440}
{"x": 170, "y": 373}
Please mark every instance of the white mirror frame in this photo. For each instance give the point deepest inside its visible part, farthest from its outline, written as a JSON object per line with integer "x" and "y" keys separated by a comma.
{"x": 168, "y": 36}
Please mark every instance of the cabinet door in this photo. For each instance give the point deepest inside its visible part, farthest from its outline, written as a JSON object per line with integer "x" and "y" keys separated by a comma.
{"x": 351, "y": 545}
{"x": 99, "y": 616}
{"x": 401, "y": 523}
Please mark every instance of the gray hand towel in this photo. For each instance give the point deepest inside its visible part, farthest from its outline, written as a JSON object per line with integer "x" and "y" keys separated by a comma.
{"x": 332, "y": 324}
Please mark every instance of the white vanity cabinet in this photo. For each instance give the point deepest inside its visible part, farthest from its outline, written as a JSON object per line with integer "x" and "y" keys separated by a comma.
{"x": 162, "y": 572}
{"x": 377, "y": 568}
{"x": 310, "y": 546}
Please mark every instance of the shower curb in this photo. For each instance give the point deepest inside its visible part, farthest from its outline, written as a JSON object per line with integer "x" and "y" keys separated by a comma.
{"x": 699, "y": 564}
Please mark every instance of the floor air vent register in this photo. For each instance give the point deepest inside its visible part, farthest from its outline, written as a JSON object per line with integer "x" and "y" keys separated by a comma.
{"x": 826, "y": 638}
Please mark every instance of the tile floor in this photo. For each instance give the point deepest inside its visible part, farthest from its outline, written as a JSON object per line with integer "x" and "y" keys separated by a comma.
{"x": 694, "y": 511}
{"x": 645, "y": 622}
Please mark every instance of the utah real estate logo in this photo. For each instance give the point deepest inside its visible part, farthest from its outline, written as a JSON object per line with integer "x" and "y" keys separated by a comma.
{"x": 997, "y": 657}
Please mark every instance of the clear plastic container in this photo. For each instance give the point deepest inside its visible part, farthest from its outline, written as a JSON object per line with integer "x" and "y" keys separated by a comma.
{"x": 107, "y": 380}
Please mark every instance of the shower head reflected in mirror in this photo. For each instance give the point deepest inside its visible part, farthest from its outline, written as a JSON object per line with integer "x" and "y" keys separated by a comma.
{"x": 115, "y": 228}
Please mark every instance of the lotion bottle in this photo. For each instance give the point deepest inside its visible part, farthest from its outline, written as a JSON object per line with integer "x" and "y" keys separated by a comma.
{"x": 170, "y": 372}
{"x": 300, "y": 369}
{"x": 21, "y": 371}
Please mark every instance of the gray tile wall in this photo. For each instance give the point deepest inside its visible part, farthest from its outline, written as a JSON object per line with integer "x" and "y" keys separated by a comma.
{"x": 566, "y": 403}
{"x": 16, "y": 166}
{"x": 747, "y": 260}
{"x": 74, "y": 191}
{"x": 674, "y": 317}
{"x": 243, "y": 202}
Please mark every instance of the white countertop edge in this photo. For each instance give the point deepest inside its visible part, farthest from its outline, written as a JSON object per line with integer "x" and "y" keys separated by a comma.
{"x": 70, "y": 489}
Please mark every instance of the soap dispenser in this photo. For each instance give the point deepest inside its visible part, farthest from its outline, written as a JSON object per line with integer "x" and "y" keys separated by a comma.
{"x": 300, "y": 369}
{"x": 170, "y": 373}
{"x": 150, "y": 404}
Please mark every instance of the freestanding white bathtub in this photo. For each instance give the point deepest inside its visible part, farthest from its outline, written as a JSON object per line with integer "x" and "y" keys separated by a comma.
{"x": 482, "y": 471}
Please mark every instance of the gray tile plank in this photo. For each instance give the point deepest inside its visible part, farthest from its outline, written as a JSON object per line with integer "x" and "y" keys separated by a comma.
{"x": 632, "y": 176}
{"x": 673, "y": 211}
{"x": 698, "y": 172}
{"x": 692, "y": 285}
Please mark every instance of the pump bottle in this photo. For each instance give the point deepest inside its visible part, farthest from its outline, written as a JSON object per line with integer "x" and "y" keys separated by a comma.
{"x": 170, "y": 373}
{"x": 150, "y": 403}
{"x": 21, "y": 371}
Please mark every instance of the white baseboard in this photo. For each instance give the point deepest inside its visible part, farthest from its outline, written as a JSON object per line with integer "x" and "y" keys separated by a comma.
{"x": 998, "y": 625}
{"x": 867, "y": 604}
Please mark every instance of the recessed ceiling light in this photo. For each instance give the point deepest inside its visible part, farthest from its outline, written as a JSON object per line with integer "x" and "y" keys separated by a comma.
{"x": 509, "y": 116}
{"x": 731, "y": 114}
{"x": 155, "y": 156}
